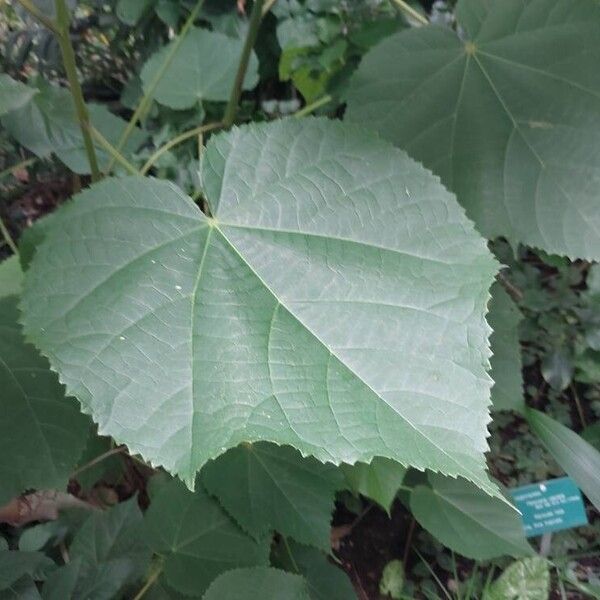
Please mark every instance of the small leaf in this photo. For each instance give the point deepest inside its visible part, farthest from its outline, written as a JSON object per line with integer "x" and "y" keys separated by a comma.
{"x": 42, "y": 433}
{"x": 468, "y": 521}
{"x": 505, "y": 110}
{"x": 557, "y": 370}
{"x": 267, "y": 487}
{"x": 112, "y": 551}
{"x": 392, "y": 580}
{"x": 203, "y": 68}
{"x": 378, "y": 480}
{"x": 131, "y": 11}
{"x": 579, "y": 459}
{"x": 11, "y": 277}
{"x": 13, "y": 94}
{"x": 526, "y": 579}
{"x": 258, "y": 583}
{"x": 504, "y": 318}
{"x": 197, "y": 539}
{"x": 347, "y": 334}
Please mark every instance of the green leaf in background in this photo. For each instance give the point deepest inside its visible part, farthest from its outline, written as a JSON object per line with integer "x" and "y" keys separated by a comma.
{"x": 506, "y": 113}
{"x": 42, "y": 433}
{"x": 11, "y": 277}
{"x": 203, "y": 68}
{"x": 392, "y": 580}
{"x": 197, "y": 539}
{"x": 13, "y": 94}
{"x": 557, "y": 369}
{"x": 22, "y": 589}
{"x": 468, "y": 521}
{"x": 504, "y": 318}
{"x": 108, "y": 470}
{"x": 258, "y": 583}
{"x": 131, "y": 11}
{"x": 378, "y": 480}
{"x": 526, "y": 579}
{"x": 112, "y": 550}
{"x": 187, "y": 335}
{"x": 268, "y": 487}
{"x": 15, "y": 565}
{"x": 591, "y": 434}
{"x": 325, "y": 580}
{"x": 49, "y": 125}
{"x": 62, "y": 582}
{"x": 579, "y": 459}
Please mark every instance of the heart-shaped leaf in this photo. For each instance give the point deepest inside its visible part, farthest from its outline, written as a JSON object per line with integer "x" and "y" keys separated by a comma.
{"x": 334, "y": 302}
{"x": 506, "y": 111}
{"x": 203, "y": 68}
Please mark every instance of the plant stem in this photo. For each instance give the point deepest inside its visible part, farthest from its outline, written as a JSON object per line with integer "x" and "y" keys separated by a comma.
{"x": 186, "y": 135}
{"x": 268, "y": 6}
{"x": 68, "y": 55}
{"x": 411, "y": 12}
{"x": 309, "y": 108}
{"x": 236, "y": 91}
{"x": 146, "y": 100}
{"x": 118, "y": 157}
{"x": 21, "y": 165}
{"x": 289, "y": 553}
{"x": 98, "y": 459}
{"x": 40, "y": 16}
{"x": 578, "y": 405}
{"x": 9, "y": 240}
{"x": 149, "y": 583}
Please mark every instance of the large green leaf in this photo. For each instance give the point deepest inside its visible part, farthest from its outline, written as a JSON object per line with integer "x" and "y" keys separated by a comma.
{"x": 526, "y": 579}
{"x": 112, "y": 551}
{"x": 203, "y": 68}
{"x": 504, "y": 318}
{"x": 334, "y": 302}
{"x": 579, "y": 459}
{"x": 468, "y": 521}
{"x": 506, "y": 112}
{"x": 197, "y": 539}
{"x": 266, "y": 487}
{"x": 48, "y": 124}
{"x": 13, "y": 94}
{"x": 62, "y": 582}
{"x": 42, "y": 433}
{"x": 258, "y": 583}
{"x": 379, "y": 480}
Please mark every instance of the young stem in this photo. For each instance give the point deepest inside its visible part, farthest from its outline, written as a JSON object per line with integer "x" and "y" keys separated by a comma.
{"x": 68, "y": 55}
{"x": 9, "y": 240}
{"x": 268, "y": 6}
{"x": 309, "y": 108}
{"x": 40, "y": 16}
{"x": 149, "y": 583}
{"x": 98, "y": 459}
{"x": 146, "y": 100}
{"x": 102, "y": 141}
{"x": 186, "y": 135}
{"x": 236, "y": 91}
{"x": 411, "y": 12}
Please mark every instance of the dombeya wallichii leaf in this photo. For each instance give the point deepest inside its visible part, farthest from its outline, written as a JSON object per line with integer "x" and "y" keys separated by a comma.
{"x": 267, "y": 487}
{"x": 203, "y": 68}
{"x": 334, "y": 301}
{"x": 468, "y": 521}
{"x": 42, "y": 433}
{"x": 506, "y": 111}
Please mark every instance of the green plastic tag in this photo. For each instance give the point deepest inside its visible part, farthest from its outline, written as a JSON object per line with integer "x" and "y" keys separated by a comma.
{"x": 549, "y": 506}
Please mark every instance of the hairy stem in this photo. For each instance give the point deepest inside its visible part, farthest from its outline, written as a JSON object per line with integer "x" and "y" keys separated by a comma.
{"x": 411, "y": 12}
{"x": 186, "y": 135}
{"x": 68, "y": 55}
{"x": 146, "y": 100}
{"x": 236, "y": 91}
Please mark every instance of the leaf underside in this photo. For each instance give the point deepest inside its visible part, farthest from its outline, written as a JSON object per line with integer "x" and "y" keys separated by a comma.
{"x": 334, "y": 302}
{"x": 508, "y": 116}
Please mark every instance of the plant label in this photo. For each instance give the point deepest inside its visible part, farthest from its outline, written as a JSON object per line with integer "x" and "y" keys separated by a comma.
{"x": 549, "y": 506}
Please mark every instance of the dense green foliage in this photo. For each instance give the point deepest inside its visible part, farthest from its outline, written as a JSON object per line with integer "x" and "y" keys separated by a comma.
{"x": 273, "y": 312}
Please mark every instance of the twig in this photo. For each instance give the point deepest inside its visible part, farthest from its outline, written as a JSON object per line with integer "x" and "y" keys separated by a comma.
{"x": 40, "y": 16}
{"x": 8, "y": 237}
{"x": 309, "y": 108}
{"x": 408, "y": 543}
{"x": 268, "y": 6}
{"x": 149, "y": 583}
{"x": 98, "y": 459}
{"x": 513, "y": 291}
{"x": 236, "y": 91}
{"x": 578, "y": 405}
{"x": 20, "y": 165}
{"x": 411, "y": 12}
{"x": 142, "y": 107}
{"x": 68, "y": 55}
{"x": 186, "y": 135}
{"x": 118, "y": 157}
